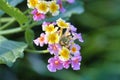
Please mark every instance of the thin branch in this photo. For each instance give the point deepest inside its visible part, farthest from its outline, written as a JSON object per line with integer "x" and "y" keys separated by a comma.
{"x": 5, "y": 19}
{"x": 37, "y": 52}
{"x": 8, "y": 24}
{"x": 15, "y": 30}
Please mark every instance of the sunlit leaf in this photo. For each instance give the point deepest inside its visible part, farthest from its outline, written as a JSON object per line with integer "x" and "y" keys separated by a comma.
{"x": 12, "y": 11}
{"x": 12, "y": 3}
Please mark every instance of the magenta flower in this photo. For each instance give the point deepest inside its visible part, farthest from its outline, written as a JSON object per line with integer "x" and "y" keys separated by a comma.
{"x": 41, "y": 40}
{"x": 54, "y": 64}
{"x": 62, "y": 9}
{"x": 75, "y": 49}
{"x": 70, "y": 1}
{"x": 77, "y": 36}
{"x": 37, "y": 16}
{"x": 75, "y": 62}
{"x": 66, "y": 64}
{"x": 54, "y": 48}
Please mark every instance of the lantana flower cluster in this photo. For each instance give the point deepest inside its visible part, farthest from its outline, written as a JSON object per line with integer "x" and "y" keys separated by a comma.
{"x": 42, "y": 7}
{"x": 60, "y": 37}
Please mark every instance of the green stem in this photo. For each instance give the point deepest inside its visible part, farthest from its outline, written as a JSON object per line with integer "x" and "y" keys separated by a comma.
{"x": 8, "y": 24}
{"x": 11, "y": 21}
{"x": 37, "y": 52}
{"x": 11, "y": 31}
{"x": 15, "y": 30}
{"x": 6, "y": 19}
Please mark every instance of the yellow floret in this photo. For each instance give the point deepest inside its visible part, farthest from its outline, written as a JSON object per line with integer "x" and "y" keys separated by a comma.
{"x": 50, "y": 28}
{"x": 64, "y": 54}
{"x": 32, "y": 3}
{"x": 62, "y": 24}
{"x": 54, "y": 8}
{"x": 52, "y": 38}
{"x": 42, "y": 7}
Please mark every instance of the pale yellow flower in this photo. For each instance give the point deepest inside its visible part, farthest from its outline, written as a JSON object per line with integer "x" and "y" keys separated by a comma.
{"x": 62, "y": 24}
{"x": 54, "y": 8}
{"x": 42, "y": 7}
{"x": 64, "y": 54}
{"x": 32, "y": 3}
{"x": 52, "y": 38}
{"x": 50, "y": 28}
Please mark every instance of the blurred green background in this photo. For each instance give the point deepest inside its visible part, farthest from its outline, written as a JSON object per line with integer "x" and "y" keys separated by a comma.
{"x": 100, "y": 27}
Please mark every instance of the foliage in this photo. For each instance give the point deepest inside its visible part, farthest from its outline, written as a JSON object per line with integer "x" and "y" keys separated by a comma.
{"x": 13, "y": 3}
{"x": 10, "y": 51}
{"x": 14, "y": 12}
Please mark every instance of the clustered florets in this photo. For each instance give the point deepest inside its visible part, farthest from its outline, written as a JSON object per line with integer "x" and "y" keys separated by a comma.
{"x": 60, "y": 37}
{"x": 42, "y": 7}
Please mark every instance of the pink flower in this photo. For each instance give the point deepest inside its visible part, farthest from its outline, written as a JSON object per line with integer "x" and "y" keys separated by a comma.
{"x": 41, "y": 40}
{"x": 75, "y": 49}
{"x": 66, "y": 64}
{"x": 55, "y": 64}
{"x": 77, "y": 36}
{"x": 75, "y": 62}
{"x": 62, "y": 9}
{"x": 37, "y": 16}
{"x": 54, "y": 48}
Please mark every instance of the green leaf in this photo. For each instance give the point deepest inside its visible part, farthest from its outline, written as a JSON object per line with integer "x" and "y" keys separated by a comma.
{"x": 13, "y": 3}
{"x": 10, "y": 51}
{"x": 29, "y": 36}
{"x": 14, "y": 12}
{"x": 75, "y": 8}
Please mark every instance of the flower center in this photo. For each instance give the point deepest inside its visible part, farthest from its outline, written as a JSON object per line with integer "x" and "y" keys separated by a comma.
{"x": 41, "y": 39}
{"x": 76, "y": 60}
{"x": 64, "y": 54}
{"x": 56, "y": 62}
{"x": 42, "y": 7}
{"x": 54, "y": 47}
{"x": 74, "y": 49}
{"x": 38, "y": 14}
{"x": 53, "y": 38}
{"x": 49, "y": 29}
{"x": 53, "y": 7}
{"x": 33, "y": 2}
